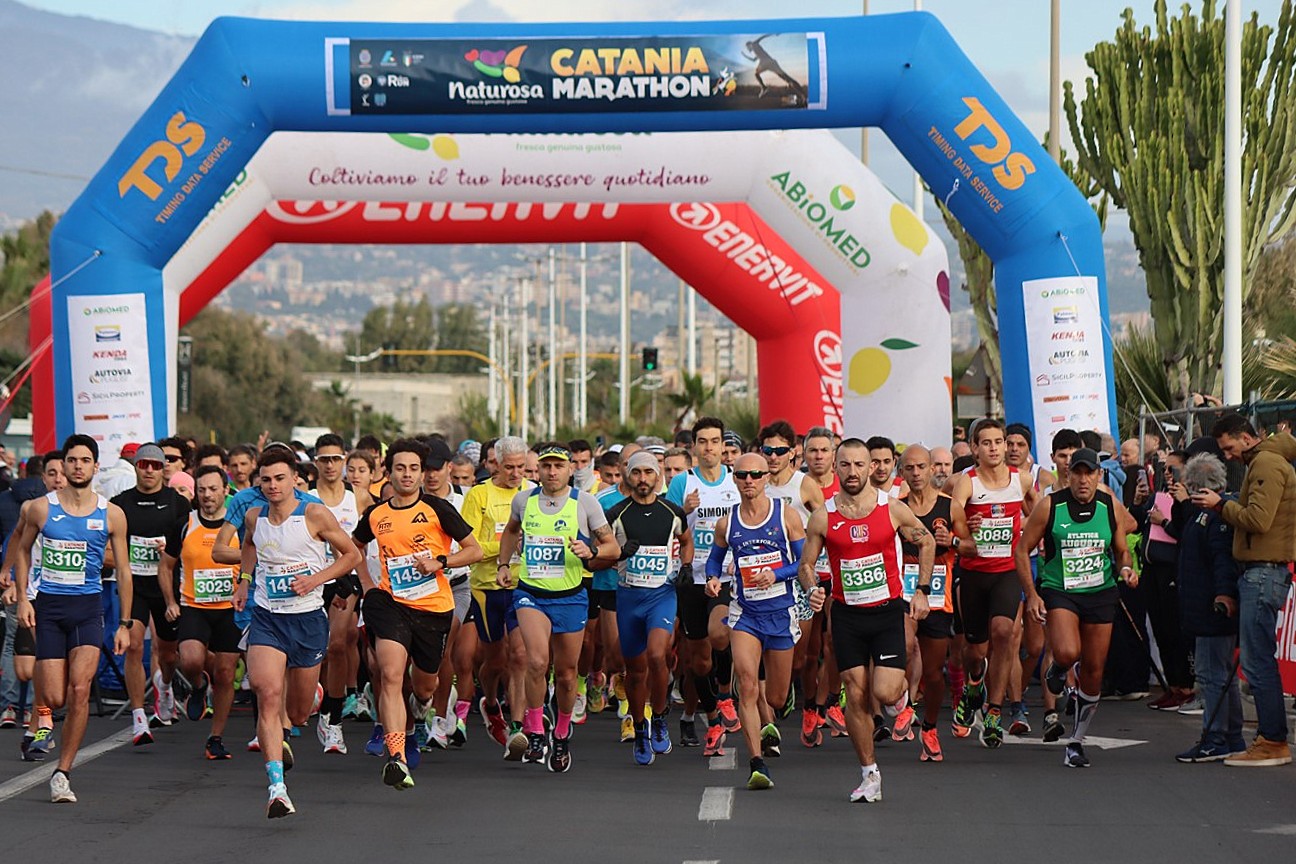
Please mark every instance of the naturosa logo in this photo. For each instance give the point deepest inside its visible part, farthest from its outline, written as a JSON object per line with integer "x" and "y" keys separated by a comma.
{"x": 442, "y": 145}
{"x": 498, "y": 64}
{"x": 842, "y": 197}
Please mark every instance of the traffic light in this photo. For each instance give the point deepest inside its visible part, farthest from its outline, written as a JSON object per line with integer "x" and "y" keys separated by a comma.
{"x": 650, "y": 359}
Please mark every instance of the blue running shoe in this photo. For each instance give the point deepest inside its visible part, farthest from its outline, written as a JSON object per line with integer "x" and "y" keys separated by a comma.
{"x": 376, "y": 746}
{"x": 661, "y": 742}
{"x": 643, "y": 749}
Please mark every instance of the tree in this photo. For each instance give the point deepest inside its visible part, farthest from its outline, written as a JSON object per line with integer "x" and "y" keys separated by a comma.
{"x": 458, "y": 327}
{"x": 1150, "y": 129}
{"x": 401, "y": 326}
{"x": 694, "y": 396}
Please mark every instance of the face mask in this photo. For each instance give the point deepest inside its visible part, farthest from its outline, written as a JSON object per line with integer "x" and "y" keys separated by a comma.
{"x": 581, "y": 477}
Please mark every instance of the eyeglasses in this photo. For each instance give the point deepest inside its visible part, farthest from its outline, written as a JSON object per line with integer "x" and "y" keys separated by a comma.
{"x": 330, "y": 457}
{"x": 749, "y": 475}
{"x": 776, "y": 451}
{"x": 149, "y": 465}
{"x": 172, "y": 457}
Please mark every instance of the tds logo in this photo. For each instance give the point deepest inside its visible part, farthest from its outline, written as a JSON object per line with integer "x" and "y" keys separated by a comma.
{"x": 1010, "y": 169}
{"x": 183, "y": 138}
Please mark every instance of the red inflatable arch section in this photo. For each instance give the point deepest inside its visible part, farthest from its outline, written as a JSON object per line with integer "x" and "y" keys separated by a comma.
{"x": 725, "y": 249}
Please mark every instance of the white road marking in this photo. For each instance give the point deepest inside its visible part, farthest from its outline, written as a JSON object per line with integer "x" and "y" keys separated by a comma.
{"x": 1089, "y": 741}
{"x": 1285, "y": 830}
{"x": 717, "y": 861}
{"x": 722, "y": 763}
{"x": 717, "y": 804}
{"x": 41, "y": 774}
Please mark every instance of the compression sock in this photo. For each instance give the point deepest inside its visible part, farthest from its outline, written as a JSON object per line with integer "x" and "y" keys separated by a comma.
{"x": 331, "y": 707}
{"x": 1085, "y": 708}
{"x": 706, "y": 693}
{"x": 275, "y": 772}
{"x": 722, "y": 669}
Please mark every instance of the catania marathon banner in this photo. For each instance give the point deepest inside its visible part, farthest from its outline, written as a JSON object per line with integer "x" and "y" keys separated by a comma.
{"x": 733, "y": 72}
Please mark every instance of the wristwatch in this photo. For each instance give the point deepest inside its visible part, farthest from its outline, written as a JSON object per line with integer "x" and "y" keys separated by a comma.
{"x": 444, "y": 562}
{"x": 926, "y": 589}
{"x": 126, "y": 622}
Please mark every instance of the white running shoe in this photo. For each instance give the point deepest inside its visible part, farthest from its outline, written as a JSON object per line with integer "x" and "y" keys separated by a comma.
{"x": 437, "y": 733}
{"x": 280, "y": 804}
{"x": 579, "y": 709}
{"x": 332, "y": 739}
{"x": 60, "y": 790}
{"x": 870, "y": 789}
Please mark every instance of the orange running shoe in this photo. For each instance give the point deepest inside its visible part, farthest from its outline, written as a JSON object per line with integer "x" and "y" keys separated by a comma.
{"x": 931, "y": 749}
{"x": 811, "y": 720}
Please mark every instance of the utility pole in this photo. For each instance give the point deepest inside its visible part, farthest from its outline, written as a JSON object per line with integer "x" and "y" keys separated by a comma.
{"x": 551, "y": 414}
{"x": 623, "y": 413}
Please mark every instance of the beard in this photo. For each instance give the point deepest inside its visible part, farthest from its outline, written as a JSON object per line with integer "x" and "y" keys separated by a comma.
{"x": 78, "y": 484}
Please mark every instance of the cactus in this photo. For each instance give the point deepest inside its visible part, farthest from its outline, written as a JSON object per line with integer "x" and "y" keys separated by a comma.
{"x": 1150, "y": 131}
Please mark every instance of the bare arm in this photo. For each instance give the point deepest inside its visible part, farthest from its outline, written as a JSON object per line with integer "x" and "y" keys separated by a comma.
{"x": 1032, "y": 534}
{"x": 117, "y": 542}
{"x": 508, "y": 546}
{"x": 815, "y": 531}
{"x": 1120, "y": 545}
{"x": 811, "y": 494}
{"x": 223, "y": 550}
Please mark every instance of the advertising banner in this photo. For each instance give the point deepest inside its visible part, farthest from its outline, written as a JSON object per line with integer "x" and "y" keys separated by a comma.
{"x": 110, "y": 369}
{"x": 1064, "y": 344}
{"x": 729, "y": 72}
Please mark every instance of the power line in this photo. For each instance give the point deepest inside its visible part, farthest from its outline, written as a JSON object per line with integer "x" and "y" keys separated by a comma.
{"x": 36, "y": 172}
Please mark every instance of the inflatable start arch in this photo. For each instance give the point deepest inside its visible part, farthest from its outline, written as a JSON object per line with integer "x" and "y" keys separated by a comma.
{"x": 151, "y": 240}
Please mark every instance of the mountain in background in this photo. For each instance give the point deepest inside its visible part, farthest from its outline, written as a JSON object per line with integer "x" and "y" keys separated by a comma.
{"x": 76, "y": 85}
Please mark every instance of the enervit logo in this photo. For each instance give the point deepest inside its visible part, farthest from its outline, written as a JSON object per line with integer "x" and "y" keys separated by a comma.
{"x": 498, "y": 64}
{"x": 828, "y": 352}
{"x": 316, "y": 212}
{"x": 696, "y": 215}
{"x": 828, "y": 356}
{"x": 183, "y": 138}
{"x": 842, "y": 197}
{"x": 309, "y": 212}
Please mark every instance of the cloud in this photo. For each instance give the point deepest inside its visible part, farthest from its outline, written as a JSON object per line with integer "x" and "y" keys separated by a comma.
{"x": 481, "y": 10}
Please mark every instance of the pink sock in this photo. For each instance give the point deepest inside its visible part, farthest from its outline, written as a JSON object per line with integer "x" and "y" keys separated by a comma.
{"x": 461, "y": 709}
{"x": 533, "y": 721}
{"x": 563, "y": 727}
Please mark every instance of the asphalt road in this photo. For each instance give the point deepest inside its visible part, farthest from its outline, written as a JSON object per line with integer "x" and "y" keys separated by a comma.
{"x": 1135, "y": 804}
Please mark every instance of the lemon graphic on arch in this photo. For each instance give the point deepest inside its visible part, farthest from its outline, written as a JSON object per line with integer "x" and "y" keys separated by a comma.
{"x": 871, "y": 367}
{"x": 908, "y": 229}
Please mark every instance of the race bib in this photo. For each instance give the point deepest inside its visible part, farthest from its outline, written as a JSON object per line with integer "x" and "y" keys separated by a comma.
{"x": 864, "y": 581}
{"x": 648, "y": 567}
{"x": 703, "y": 539}
{"x": 1083, "y": 565}
{"x": 407, "y": 583}
{"x": 936, "y": 600}
{"x": 63, "y": 562}
{"x": 546, "y": 557}
{"x": 277, "y": 590}
{"x": 750, "y": 566}
{"x": 994, "y": 538}
{"x": 145, "y": 553}
{"x": 213, "y": 585}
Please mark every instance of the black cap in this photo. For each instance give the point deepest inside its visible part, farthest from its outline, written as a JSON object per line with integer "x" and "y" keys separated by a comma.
{"x": 439, "y": 453}
{"x": 1084, "y": 456}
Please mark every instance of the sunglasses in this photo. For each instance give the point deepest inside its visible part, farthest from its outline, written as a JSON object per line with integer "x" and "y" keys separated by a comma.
{"x": 171, "y": 457}
{"x": 149, "y": 465}
{"x": 749, "y": 475}
{"x": 776, "y": 451}
{"x": 330, "y": 457}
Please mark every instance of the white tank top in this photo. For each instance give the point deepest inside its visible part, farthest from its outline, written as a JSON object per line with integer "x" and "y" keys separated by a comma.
{"x": 713, "y": 502}
{"x": 456, "y": 497}
{"x": 347, "y": 513}
{"x": 283, "y": 553}
{"x": 790, "y": 494}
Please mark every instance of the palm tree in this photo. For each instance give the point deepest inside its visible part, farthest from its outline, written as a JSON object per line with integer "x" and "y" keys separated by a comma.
{"x": 694, "y": 396}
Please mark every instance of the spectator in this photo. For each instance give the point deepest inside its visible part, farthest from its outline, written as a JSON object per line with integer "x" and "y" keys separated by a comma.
{"x": 1158, "y": 584}
{"x": 11, "y": 501}
{"x": 1207, "y": 581}
{"x": 1264, "y": 544}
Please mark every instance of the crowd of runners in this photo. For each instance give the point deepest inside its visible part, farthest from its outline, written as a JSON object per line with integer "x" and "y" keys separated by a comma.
{"x": 713, "y": 593}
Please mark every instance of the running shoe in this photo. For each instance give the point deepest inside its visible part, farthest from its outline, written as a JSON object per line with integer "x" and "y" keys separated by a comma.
{"x": 1053, "y": 727}
{"x": 1193, "y": 707}
{"x": 1075, "y": 756}
{"x": 931, "y": 749}
{"x": 349, "y": 705}
{"x": 288, "y": 756}
{"x": 460, "y": 735}
{"x": 333, "y": 740}
{"x": 60, "y": 790}
{"x": 321, "y": 728}
{"x": 729, "y": 715}
{"x": 437, "y": 735}
{"x": 1019, "y": 725}
{"x": 215, "y": 749}
{"x": 30, "y": 753}
{"x": 412, "y": 755}
{"x": 254, "y": 745}
{"x": 992, "y": 732}
{"x": 537, "y": 750}
{"x": 496, "y": 726}
{"x": 595, "y": 698}
{"x": 661, "y": 742}
{"x": 140, "y": 734}
{"x": 43, "y": 741}
{"x": 627, "y": 729}
{"x": 1169, "y": 701}
{"x": 157, "y": 721}
{"x": 789, "y": 706}
{"x": 619, "y": 691}
{"x": 677, "y": 698}
{"x": 579, "y": 715}
{"x": 902, "y": 726}
{"x": 760, "y": 776}
{"x": 294, "y": 731}
{"x": 643, "y": 750}
{"x": 364, "y": 705}
{"x": 396, "y": 774}
{"x": 422, "y": 734}
{"x": 688, "y": 733}
{"x": 715, "y": 739}
{"x": 9, "y": 718}
{"x": 964, "y": 716}
{"x": 164, "y": 703}
{"x": 1203, "y": 752}
{"x": 377, "y": 743}
{"x": 771, "y": 741}
{"x": 1055, "y": 679}
{"x": 560, "y": 755}
{"x": 836, "y": 719}
{"x": 870, "y": 788}
{"x": 280, "y": 805}
{"x": 518, "y": 744}
{"x": 811, "y": 735}
{"x": 880, "y": 730}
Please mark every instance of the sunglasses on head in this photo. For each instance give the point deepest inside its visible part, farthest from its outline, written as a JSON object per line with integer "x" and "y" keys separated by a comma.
{"x": 775, "y": 451}
{"x": 749, "y": 475}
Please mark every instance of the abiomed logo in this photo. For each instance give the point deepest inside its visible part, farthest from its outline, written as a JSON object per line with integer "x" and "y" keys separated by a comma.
{"x": 820, "y": 216}
{"x": 842, "y": 197}
{"x": 498, "y": 64}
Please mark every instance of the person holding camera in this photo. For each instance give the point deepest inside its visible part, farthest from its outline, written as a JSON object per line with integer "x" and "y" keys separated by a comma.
{"x": 1264, "y": 544}
{"x": 1208, "y": 601}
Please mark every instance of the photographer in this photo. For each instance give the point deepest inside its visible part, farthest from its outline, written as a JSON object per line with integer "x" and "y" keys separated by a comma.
{"x": 1208, "y": 590}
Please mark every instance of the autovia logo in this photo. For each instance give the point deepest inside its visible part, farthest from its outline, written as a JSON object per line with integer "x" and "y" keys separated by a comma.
{"x": 822, "y": 216}
{"x": 498, "y": 64}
